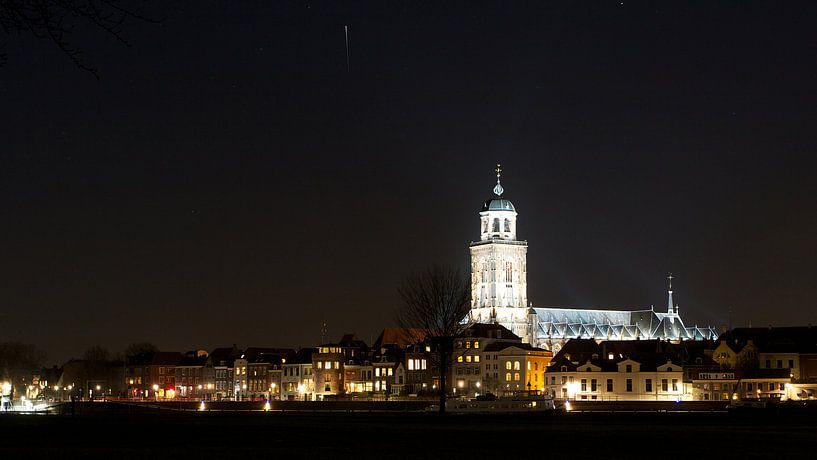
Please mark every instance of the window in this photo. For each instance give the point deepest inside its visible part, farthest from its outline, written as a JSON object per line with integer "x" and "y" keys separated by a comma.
{"x": 610, "y": 385}
{"x": 337, "y": 365}
{"x": 468, "y": 359}
{"x": 411, "y": 364}
{"x": 584, "y": 384}
{"x": 459, "y": 359}
{"x": 507, "y": 225}
{"x": 476, "y": 359}
{"x": 779, "y": 363}
{"x": 553, "y": 380}
{"x": 536, "y": 366}
{"x": 791, "y": 364}
{"x": 476, "y": 344}
{"x": 496, "y": 225}
{"x": 508, "y": 377}
{"x": 327, "y": 387}
{"x": 516, "y": 366}
{"x": 467, "y": 344}
{"x": 563, "y": 369}
{"x": 768, "y": 364}
{"x": 377, "y": 372}
{"x": 423, "y": 362}
{"x": 674, "y": 384}
{"x": 669, "y": 369}
{"x": 664, "y": 385}
{"x": 507, "y": 365}
{"x": 748, "y": 387}
{"x": 593, "y": 385}
{"x": 629, "y": 385}
{"x": 648, "y": 385}
{"x": 628, "y": 368}
{"x": 516, "y": 376}
{"x": 391, "y": 372}
{"x": 508, "y": 271}
{"x": 564, "y": 380}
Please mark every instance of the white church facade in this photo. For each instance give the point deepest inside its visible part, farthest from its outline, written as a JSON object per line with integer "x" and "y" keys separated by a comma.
{"x": 499, "y": 294}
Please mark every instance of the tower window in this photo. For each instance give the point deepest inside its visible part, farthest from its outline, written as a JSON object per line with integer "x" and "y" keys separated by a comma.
{"x": 507, "y": 225}
{"x": 508, "y": 272}
{"x": 496, "y": 225}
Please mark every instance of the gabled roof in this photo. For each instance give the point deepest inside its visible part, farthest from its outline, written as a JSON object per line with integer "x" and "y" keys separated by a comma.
{"x": 489, "y": 331}
{"x": 774, "y": 339}
{"x": 499, "y": 346}
{"x": 224, "y": 356}
{"x": 648, "y": 353}
{"x": 302, "y": 356}
{"x": 400, "y": 336}
{"x": 158, "y": 358}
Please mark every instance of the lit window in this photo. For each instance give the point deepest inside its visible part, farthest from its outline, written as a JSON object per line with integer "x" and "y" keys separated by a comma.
{"x": 516, "y": 376}
{"x": 337, "y": 365}
{"x": 508, "y": 377}
{"x": 377, "y": 372}
{"x": 476, "y": 359}
{"x": 467, "y": 359}
{"x": 459, "y": 359}
{"x": 320, "y": 364}
{"x": 476, "y": 345}
{"x": 467, "y": 344}
{"x": 507, "y": 365}
{"x": 528, "y": 365}
{"x": 390, "y": 371}
{"x": 424, "y": 364}
{"x": 516, "y": 366}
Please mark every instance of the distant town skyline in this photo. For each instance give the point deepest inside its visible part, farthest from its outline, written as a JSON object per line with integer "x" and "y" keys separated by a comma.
{"x": 229, "y": 180}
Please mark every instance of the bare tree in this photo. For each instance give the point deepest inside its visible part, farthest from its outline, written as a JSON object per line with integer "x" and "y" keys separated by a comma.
{"x": 55, "y": 20}
{"x": 96, "y": 354}
{"x": 17, "y": 361}
{"x": 142, "y": 348}
{"x": 436, "y": 301}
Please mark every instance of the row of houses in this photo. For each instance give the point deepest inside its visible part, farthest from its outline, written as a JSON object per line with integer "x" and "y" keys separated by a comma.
{"x": 745, "y": 363}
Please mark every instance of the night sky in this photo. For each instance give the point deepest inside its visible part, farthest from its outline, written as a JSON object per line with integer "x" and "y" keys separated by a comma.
{"x": 227, "y": 180}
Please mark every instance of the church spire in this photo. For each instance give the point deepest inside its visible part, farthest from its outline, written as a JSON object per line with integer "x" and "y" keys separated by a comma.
{"x": 670, "y": 307}
{"x": 498, "y": 190}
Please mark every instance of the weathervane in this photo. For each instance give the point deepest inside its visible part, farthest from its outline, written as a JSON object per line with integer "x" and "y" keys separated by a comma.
{"x": 498, "y": 189}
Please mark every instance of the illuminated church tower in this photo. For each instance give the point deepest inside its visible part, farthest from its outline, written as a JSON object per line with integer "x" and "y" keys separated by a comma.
{"x": 498, "y": 266}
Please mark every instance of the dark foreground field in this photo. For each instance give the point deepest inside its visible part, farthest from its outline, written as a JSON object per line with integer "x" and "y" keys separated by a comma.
{"x": 408, "y": 435}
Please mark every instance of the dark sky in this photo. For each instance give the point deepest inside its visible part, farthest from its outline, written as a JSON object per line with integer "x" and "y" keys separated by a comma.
{"x": 228, "y": 181}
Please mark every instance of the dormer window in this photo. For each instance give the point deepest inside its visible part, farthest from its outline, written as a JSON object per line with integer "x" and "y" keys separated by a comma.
{"x": 564, "y": 369}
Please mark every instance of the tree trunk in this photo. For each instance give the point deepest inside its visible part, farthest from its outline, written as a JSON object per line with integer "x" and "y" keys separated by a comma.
{"x": 443, "y": 372}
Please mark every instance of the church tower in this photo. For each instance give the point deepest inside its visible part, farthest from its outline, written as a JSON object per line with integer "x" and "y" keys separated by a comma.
{"x": 499, "y": 266}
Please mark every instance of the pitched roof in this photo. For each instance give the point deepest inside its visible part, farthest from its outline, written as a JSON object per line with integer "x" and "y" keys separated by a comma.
{"x": 302, "y": 356}
{"x": 801, "y": 339}
{"x": 490, "y": 331}
{"x": 400, "y": 336}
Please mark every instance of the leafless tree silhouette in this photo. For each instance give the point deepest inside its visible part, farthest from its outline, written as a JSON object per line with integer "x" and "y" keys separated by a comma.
{"x": 436, "y": 301}
{"x": 55, "y": 20}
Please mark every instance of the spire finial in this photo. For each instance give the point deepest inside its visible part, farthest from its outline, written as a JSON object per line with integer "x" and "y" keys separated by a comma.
{"x": 670, "y": 277}
{"x": 498, "y": 190}
{"x": 670, "y": 307}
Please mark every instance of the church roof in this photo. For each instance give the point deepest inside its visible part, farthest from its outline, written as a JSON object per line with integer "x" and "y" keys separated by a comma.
{"x": 498, "y": 204}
